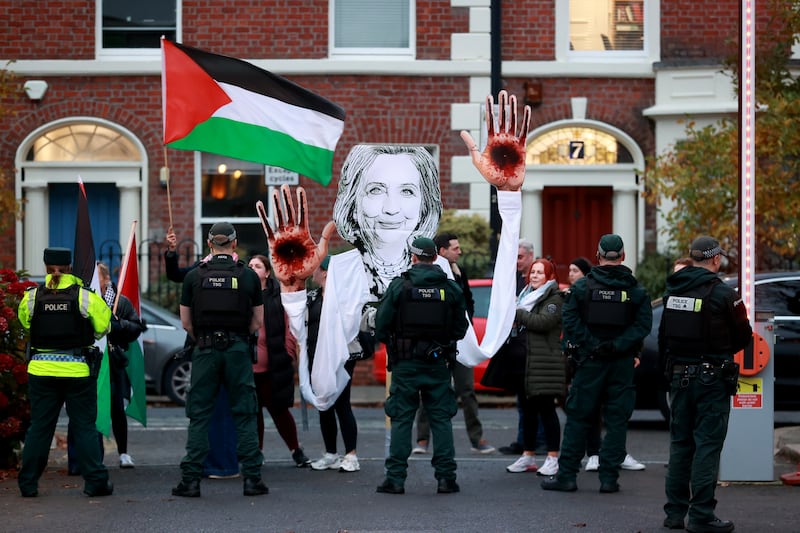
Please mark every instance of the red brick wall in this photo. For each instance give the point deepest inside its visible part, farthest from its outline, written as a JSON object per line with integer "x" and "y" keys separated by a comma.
{"x": 698, "y": 29}
{"x": 46, "y": 29}
{"x": 436, "y": 22}
{"x": 529, "y": 30}
{"x": 279, "y": 29}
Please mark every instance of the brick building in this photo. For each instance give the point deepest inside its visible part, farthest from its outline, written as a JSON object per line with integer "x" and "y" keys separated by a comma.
{"x": 608, "y": 81}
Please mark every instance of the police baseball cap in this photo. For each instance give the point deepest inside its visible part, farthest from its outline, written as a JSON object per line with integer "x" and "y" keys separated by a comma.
{"x": 705, "y": 247}
{"x": 57, "y": 256}
{"x": 222, "y": 233}
{"x": 423, "y": 247}
{"x": 610, "y": 246}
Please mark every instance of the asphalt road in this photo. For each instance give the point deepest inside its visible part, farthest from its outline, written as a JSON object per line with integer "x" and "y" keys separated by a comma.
{"x": 302, "y": 500}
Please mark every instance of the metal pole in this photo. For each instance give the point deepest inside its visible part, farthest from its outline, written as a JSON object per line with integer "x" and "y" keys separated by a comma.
{"x": 747, "y": 130}
{"x": 497, "y": 85}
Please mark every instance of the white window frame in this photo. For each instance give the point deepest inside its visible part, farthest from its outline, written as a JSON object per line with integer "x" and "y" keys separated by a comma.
{"x": 651, "y": 46}
{"x": 132, "y": 53}
{"x": 373, "y": 53}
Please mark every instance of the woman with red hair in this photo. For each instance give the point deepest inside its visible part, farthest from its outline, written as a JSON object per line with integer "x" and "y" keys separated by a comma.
{"x": 539, "y": 314}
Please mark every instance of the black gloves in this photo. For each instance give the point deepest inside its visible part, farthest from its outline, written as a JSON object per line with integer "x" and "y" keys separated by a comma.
{"x": 125, "y": 331}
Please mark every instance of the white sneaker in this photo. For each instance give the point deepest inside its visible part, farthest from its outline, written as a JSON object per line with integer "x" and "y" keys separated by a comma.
{"x": 329, "y": 461}
{"x": 631, "y": 464}
{"x": 550, "y": 466}
{"x": 593, "y": 464}
{"x": 525, "y": 463}
{"x": 421, "y": 447}
{"x": 349, "y": 463}
{"x": 125, "y": 461}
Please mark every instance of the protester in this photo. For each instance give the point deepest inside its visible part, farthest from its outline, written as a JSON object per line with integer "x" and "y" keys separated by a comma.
{"x": 273, "y": 370}
{"x": 131, "y": 326}
{"x": 704, "y": 323}
{"x": 525, "y": 259}
{"x": 341, "y": 409}
{"x": 539, "y": 312}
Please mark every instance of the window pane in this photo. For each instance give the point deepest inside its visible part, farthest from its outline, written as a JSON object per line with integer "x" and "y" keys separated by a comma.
{"x": 249, "y": 234}
{"x": 781, "y": 297}
{"x": 371, "y": 23}
{"x": 598, "y": 25}
{"x": 138, "y": 24}
{"x": 230, "y": 188}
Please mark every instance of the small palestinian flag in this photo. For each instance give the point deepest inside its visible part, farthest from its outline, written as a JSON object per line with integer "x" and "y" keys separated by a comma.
{"x": 227, "y": 106}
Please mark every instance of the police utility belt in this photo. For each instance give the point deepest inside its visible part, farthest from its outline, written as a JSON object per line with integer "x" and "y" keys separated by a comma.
{"x": 419, "y": 350}
{"x": 88, "y": 354}
{"x": 219, "y": 340}
{"x": 727, "y": 371}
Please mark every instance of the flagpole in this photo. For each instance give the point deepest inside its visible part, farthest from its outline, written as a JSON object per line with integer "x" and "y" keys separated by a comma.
{"x": 165, "y": 172}
{"x": 125, "y": 265}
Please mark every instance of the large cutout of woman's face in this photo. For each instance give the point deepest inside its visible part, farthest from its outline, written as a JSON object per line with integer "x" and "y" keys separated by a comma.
{"x": 388, "y": 195}
{"x": 392, "y": 199}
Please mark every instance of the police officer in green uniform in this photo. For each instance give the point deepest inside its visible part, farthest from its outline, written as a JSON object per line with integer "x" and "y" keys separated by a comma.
{"x": 420, "y": 318}
{"x": 220, "y": 308}
{"x": 606, "y": 317}
{"x": 704, "y": 323}
{"x": 64, "y": 320}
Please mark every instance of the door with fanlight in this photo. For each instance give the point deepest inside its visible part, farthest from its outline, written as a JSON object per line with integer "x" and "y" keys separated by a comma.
{"x": 573, "y": 220}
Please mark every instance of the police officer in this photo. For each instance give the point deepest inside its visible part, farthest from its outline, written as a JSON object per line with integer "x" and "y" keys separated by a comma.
{"x": 606, "y": 317}
{"x": 64, "y": 320}
{"x": 220, "y": 308}
{"x": 703, "y": 325}
{"x": 420, "y": 318}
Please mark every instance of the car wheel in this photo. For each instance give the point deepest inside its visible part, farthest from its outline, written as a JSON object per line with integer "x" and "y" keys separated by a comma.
{"x": 176, "y": 380}
{"x": 663, "y": 404}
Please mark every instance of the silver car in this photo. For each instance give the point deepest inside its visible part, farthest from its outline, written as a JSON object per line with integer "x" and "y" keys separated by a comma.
{"x": 167, "y": 368}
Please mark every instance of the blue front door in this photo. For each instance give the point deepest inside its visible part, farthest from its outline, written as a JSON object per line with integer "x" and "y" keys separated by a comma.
{"x": 103, "y": 201}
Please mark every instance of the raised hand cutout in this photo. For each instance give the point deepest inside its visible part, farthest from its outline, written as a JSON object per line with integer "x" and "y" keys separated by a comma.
{"x": 502, "y": 162}
{"x": 293, "y": 253}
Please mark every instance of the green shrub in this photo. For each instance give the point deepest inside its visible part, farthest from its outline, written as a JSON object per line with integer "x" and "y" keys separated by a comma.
{"x": 652, "y": 273}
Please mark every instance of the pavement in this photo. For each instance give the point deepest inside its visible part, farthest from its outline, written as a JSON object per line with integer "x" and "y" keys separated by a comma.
{"x": 787, "y": 438}
{"x": 307, "y": 501}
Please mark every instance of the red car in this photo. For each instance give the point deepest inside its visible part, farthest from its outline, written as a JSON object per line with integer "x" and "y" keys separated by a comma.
{"x": 481, "y": 290}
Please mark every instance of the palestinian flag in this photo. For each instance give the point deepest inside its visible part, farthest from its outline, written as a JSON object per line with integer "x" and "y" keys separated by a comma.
{"x": 129, "y": 287}
{"x": 230, "y": 107}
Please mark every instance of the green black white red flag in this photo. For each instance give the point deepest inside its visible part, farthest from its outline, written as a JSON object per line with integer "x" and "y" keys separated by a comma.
{"x": 227, "y": 106}
{"x": 128, "y": 286}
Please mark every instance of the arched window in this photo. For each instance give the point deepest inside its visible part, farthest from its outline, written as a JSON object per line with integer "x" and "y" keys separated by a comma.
{"x": 82, "y": 142}
{"x": 576, "y": 145}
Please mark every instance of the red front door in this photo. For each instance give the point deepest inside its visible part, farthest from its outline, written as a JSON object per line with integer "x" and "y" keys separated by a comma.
{"x": 573, "y": 220}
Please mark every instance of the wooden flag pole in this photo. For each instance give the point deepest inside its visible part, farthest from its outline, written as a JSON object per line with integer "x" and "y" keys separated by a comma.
{"x": 125, "y": 265}
{"x": 165, "y": 178}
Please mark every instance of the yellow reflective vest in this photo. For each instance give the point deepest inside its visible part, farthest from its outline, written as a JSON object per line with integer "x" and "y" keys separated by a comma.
{"x": 92, "y": 306}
